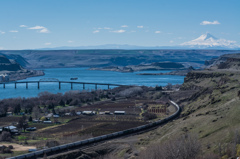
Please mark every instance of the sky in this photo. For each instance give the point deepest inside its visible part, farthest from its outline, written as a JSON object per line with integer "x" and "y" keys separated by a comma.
{"x": 32, "y": 24}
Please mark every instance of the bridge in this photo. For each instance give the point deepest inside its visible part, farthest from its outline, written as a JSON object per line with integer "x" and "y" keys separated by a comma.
{"x": 54, "y": 80}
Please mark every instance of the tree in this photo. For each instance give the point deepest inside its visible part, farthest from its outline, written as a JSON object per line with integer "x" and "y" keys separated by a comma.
{"x": 22, "y": 124}
{"x": 62, "y": 103}
{"x": 5, "y": 136}
{"x": 17, "y": 109}
{"x": 36, "y": 112}
{"x": 30, "y": 118}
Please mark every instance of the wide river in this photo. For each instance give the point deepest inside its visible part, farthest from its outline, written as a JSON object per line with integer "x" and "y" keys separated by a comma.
{"x": 85, "y": 75}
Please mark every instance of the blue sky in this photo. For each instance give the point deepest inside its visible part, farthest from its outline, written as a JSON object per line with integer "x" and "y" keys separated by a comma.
{"x": 29, "y": 24}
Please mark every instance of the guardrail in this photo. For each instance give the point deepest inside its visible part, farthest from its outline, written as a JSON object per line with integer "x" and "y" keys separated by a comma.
{"x": 61, "y": 148}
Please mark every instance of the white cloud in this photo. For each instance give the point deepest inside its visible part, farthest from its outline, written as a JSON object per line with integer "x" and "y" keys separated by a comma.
{"x": 23, "y": 26}
{"x": 45, "y": 30}
{"x": 124, "y": 26}
{"x": 2, "y": 32}
{"x": 37, "y": 27}
{"x": 118, "y": 31}
{"x": 1, "y": 48}
{"x": 41, "y": 28}
{"x": 96, "y": 31}
{"x": 47, "y": 43}
{"x": 106, "y": 28}
{"x": 171, "y": 41}
{"x": 209, "y": 23}
{"x": 140, "y": 26}
{"x": 158, "y": 32}
{"x": 13, "y": 31}
{"x": 70, "y": 41}
{"x": 133, "y": 31}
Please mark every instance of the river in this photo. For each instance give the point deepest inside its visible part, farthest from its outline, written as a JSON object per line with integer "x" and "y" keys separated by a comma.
{"x": 85, "y": 75}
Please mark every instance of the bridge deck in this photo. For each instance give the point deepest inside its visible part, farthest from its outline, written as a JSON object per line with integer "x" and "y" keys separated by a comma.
{"x": 63, "y": 82}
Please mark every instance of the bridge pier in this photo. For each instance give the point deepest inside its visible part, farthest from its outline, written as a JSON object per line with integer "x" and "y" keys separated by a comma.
{"x": 59, "y": 85}
{"x": 38, "y": 85}
{"x": 95, "y": 86}
{"x": 3, "y": 85}
{"x": 71, "y": 85}
{"x": 26, "y": 85}
{"x": 15, "y": 85}
{"x": 83, "y": 86}
{"x": 108, "y": 86}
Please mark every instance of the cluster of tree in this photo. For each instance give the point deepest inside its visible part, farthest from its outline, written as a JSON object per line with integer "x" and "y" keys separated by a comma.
{"x": 48, "y": 101}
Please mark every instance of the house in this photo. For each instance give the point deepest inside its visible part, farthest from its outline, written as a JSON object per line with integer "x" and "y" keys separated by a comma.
{"x": 31, "y": 129}
{"x": 9, "y": 113}
{"x": 119, "y": 112}
{"x": 67, "y": 114}
{"x": 47, "y": 122}
{"x": 37, "y": 121}
{"x": 89, "y": 112}
{"x": 56, "y": 116}
{"x": 49, "y": 115}
{"x": 11, "y": 129}
{"x": 101, "y": 113}
{"x": 107, "y": 112}
{"x": 78, "y": 113}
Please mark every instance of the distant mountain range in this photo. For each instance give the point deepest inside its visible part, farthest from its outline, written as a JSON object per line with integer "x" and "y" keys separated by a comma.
{"x": 205, "y": 41}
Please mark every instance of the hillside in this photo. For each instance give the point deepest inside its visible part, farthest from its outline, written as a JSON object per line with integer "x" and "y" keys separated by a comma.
{"x": 210, "y": 109}
{"x": 15, "y": 70}
{"x": 7, "y": 65}
{"x": 103, "y": 58}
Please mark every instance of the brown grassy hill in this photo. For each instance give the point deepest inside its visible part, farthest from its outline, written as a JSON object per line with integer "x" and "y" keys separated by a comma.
{"x": 210, "y": 101}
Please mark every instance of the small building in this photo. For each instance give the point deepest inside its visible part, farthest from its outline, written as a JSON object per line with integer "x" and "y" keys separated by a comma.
{"x": 9, "y": 113}
{"x": 101, "y": 113}
{"x": 78, "y": 113}
{"x": 67, "y": 114}
{"x": 107, "y": 112}
{"x": 4, "y": 78}
{"x": 31, "y": 129}
{"x": 36, "y": 121}
{"x": 56, "y": 116}
{"x": 119, "y": 112}
{"x": 47, "y": 122}
{"x": 89, "y": 112}
{"x": 49, "y": 115}
{"x": 11, "y": 129}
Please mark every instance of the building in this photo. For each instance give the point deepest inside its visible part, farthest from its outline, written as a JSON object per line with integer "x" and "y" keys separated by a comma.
{"x": 119, "y": 112}
{"x": 4, "y": 78}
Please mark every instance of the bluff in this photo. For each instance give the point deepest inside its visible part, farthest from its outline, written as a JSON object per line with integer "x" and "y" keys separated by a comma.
{"x": 7, "y": 65}
{"x": 15, "y": 70}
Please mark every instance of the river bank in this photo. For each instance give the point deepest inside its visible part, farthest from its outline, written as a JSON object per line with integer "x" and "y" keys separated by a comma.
{"x": 22, "y": 74}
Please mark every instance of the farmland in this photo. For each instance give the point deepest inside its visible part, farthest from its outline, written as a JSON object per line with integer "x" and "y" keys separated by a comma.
{"x": 70, "y": 126}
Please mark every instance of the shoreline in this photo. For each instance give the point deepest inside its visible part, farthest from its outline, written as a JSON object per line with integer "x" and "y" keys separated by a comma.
{"x": 22, "y": 74}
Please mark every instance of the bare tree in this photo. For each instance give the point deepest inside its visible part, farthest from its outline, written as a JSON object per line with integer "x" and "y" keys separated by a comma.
{"x": 36, "y": 112}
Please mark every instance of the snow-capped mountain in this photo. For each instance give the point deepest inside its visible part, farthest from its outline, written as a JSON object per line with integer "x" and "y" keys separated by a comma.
{"x": 208, "y": 41}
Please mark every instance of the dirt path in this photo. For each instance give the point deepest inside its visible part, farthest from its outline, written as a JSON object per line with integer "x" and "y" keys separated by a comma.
{"x": 18, "y": 147}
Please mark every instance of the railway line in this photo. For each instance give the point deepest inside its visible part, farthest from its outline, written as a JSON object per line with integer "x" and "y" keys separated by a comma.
{"x": 99, "y": 139}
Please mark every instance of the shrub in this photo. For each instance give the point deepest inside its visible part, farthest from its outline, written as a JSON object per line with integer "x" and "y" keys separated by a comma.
{"x": 5, "y": 136}
{"x": 52, "y": 143}
{"x": 149, "y": 116}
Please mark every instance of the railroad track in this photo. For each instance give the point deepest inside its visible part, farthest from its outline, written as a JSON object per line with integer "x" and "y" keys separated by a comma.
{"x": 83, "y": 144}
